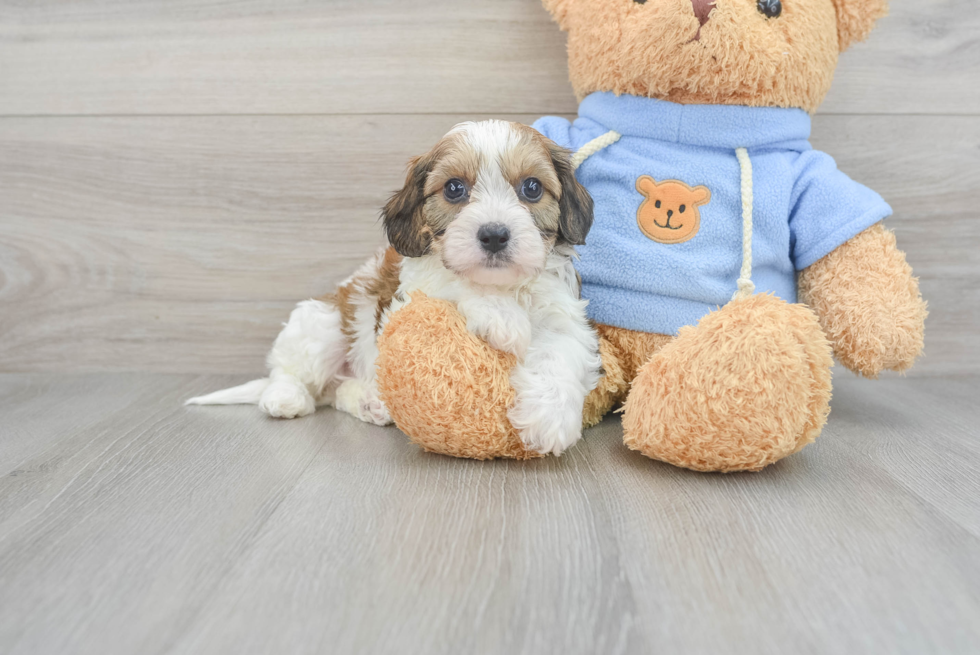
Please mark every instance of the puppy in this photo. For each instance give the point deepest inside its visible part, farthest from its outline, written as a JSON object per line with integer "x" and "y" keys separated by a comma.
{"x": 487, "y": 220}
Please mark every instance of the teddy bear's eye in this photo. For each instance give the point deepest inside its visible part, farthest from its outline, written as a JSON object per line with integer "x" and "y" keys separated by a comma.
{"x": 682, "y": 208}
{"x": 658, "y": 204}
{"x": 770, "y": 8}
{"x": 640, "y": 2}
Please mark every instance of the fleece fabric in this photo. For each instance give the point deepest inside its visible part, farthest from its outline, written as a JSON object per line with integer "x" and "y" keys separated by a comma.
{"x": 633, "y": 276}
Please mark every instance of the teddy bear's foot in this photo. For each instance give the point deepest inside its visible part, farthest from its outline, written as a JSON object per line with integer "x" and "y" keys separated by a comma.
{"x": 749, "y": 385}
{"x": 612, "y": 387}
{"x": 445, "y": 388}
{"x": 623, "y": 352}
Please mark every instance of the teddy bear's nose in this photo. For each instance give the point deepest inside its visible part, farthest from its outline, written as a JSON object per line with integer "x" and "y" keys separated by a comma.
{"x": 702, "y": 8}
{"x": 670, "y": 212}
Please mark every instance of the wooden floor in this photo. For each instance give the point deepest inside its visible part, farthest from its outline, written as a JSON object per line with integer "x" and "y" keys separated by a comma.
{"x": 131, "y": 524}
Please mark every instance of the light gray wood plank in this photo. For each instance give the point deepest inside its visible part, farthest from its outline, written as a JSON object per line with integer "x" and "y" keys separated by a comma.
{"x": 923, "y": 58}
{"x": 216, "y": 530}
{"x": 932, "y": 449}
{"x": 450, "y": 556}
{"x": 347, "y": 56}
{"x": 202, "y": 230}
{"x": 179, "y": 244}
{"x": 825, "y": 545}
{"x": 113, "y": 539}
{"x": 30, "y": 427}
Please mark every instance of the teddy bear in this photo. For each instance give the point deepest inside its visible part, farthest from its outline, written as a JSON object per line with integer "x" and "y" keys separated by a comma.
{"x": 729, "y": 261}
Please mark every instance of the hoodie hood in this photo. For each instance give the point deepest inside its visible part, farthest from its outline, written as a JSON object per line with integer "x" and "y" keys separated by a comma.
{"x": 714, "y": 126}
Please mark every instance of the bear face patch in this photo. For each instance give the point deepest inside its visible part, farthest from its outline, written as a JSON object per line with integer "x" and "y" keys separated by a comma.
{"x": 669, "y": 212}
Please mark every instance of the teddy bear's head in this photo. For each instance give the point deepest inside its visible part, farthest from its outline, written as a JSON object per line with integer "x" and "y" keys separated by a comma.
{"x": 774, "y": 53}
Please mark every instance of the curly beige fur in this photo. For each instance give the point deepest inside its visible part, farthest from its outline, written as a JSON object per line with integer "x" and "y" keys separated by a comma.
{"x": 868, "y": 303}
{"x": 749, "y": 385}
{"x": 623, "y": 353}
{"x": 446, "y": 389}
{"x": 645, "y": 49}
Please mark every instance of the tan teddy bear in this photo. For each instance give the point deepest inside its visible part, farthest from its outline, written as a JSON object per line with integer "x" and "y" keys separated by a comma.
{"x": 728, "y": 259}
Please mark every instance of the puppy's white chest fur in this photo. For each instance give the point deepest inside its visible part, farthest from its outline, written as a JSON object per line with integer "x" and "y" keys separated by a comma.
{"x": 502, "y": 316}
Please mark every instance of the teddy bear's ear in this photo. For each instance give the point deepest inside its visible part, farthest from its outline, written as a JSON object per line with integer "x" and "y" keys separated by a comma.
{"x": 856, "y": 19}
{"x": 559, "y": 10}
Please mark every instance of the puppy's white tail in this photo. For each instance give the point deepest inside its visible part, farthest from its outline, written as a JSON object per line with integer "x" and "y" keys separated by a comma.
{"x": 245, "y": 394}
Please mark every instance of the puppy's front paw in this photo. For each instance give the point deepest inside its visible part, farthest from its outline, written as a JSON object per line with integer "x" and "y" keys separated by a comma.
{"x": 547, "y": 411}
{"x": 545, "y": 428}
{"x": 499, "y": 321}
{"x": 362, "y": 401}
{"x": 287, "y": 397}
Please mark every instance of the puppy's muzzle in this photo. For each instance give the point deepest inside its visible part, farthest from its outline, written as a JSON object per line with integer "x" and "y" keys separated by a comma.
{"x": 493, "y": 237}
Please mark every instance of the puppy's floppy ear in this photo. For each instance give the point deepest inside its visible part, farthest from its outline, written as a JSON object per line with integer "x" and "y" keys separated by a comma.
{"x": 559, "y": 10}
{"x": 403, "y": 215}
{"x": 575, "y": 203}
{"x": 856, "y": 19}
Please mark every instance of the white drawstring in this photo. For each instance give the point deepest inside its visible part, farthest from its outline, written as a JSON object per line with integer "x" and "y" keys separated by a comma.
{"x": 745, "y": 286}
{"x": 594, "y": 146}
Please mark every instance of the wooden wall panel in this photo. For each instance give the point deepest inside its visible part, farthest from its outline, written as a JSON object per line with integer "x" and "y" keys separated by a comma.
{"x": 144, "y": 243}
{"x": 180, "y": 243}
{"x": 392, "y": 56}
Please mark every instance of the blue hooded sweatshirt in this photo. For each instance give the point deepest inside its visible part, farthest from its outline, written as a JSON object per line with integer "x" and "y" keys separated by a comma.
{"x": 803, "y": 207}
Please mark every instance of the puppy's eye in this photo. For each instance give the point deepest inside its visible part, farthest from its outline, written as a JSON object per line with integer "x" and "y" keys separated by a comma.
{"x": 770, "y": 8}
{"x": 531, "y": 189}
{"x": 455, "y": 190}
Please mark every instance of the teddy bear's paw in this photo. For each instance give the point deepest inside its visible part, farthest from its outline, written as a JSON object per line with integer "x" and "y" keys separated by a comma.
{"x": 499, "y": 321}
{"x": 868, "y": 303}
{"x": 445, "y": 388}
{"x": 749, "y": 385}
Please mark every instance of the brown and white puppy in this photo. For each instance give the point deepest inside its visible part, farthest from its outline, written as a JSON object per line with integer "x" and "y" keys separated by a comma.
{"x": 487, "y": 220}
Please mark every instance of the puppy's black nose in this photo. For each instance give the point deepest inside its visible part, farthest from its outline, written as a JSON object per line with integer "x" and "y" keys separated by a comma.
{"x": 493, "y": 237}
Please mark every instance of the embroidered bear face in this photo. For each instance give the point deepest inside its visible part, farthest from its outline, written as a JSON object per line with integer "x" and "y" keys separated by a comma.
{"x": 669, "y": 212}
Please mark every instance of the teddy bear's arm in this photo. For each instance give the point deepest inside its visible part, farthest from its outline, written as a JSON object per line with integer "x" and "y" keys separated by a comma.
{"x": 868, "y": 303}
